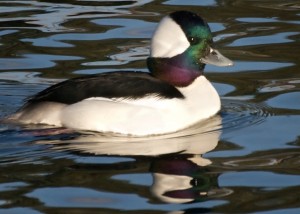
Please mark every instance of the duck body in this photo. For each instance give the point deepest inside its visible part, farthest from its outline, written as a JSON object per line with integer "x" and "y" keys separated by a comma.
{"x": 173, "y": 96}
{"x": 154, "y": 110}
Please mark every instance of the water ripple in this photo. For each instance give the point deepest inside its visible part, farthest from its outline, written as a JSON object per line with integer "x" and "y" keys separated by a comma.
{"x": 239, "y": 114}
{"x": 50, "y": 17}
{"x": 33, "y": 61}
{"x": 278, "y": 38}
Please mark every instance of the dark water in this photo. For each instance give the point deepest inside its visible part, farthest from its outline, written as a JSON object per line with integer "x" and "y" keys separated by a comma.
{"x": 245, "y": 160}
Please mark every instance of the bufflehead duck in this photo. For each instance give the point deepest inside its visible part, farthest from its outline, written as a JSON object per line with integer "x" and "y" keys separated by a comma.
{"x": 173, "y": 96}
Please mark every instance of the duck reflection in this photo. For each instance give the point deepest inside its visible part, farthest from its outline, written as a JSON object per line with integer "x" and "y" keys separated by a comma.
{"x": 178, "y": 171}
{"x": 181, "y": 180}
{"x": 198, "y": 139}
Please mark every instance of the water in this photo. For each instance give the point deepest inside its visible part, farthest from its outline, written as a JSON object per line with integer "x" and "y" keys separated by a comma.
{"x": 245, "y": 160}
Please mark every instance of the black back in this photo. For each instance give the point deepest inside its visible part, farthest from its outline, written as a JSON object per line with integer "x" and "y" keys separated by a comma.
{"x": 129, "y": 85}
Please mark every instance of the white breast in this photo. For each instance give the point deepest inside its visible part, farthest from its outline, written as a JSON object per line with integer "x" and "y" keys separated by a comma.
{"x": 146, "y": 116}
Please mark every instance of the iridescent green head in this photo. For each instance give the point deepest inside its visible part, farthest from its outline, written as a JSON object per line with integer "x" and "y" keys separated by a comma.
{"x": 182, "y": 43}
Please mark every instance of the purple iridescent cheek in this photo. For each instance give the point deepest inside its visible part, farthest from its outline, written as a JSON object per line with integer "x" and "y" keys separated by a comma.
{"x": 178, "y": 75}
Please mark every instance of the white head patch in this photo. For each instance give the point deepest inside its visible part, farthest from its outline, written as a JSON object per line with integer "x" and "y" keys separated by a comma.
{"x": 168, "y": 40}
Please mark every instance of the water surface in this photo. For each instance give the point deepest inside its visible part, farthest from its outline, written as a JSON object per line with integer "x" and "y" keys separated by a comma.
{"x": 244, "y": 160}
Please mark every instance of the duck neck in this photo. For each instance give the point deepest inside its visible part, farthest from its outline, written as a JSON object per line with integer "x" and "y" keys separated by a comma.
{"x": 176, "y": 71}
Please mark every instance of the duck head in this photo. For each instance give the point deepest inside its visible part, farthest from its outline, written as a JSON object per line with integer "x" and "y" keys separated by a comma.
{"x": 180, "y": 48}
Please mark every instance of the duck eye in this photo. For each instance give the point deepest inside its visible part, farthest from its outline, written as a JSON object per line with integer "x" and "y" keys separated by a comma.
{"x": 193, "y": 40}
